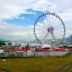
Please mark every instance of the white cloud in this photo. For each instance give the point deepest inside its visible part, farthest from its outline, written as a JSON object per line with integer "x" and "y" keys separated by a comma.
{"x": 44, "y": 5}
{"x": 62, "y": 4}
{"x": 66, "y": 15}
{"x": 12, "y": 32}
{"x": 12, "y": 8}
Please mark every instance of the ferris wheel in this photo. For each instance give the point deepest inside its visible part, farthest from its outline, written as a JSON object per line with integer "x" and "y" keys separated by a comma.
{"x": 49, "y": 27}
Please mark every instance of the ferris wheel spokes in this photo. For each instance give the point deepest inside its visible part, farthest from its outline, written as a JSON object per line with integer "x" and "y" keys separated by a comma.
{"x": 44, "y": 38}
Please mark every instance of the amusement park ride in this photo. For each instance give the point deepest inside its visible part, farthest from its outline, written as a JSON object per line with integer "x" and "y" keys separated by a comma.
{"x": 49, "y": 26}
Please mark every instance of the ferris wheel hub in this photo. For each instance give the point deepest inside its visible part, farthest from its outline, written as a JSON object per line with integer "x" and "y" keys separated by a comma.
{"x": 50, "y": 29}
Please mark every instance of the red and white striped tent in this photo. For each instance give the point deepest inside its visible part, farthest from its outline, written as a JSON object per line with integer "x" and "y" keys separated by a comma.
{"x": 22, "y": 49}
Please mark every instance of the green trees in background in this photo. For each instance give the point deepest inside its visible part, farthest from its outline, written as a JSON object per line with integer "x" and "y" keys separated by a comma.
{"x": 2, "y": 43}
{"x": 65, "y": 46}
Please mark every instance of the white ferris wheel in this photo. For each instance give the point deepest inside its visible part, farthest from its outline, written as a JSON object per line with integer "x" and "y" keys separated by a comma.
{"x": 49, "y": 27}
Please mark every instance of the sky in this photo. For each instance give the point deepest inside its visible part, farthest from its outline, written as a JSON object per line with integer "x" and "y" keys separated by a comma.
{"x": 17, "y": 17}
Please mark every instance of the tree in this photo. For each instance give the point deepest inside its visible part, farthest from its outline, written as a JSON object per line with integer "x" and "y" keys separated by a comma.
{"x": 27, "y": 46}
{"x": 9, "y": 43}
{"x": 65, "y": 46}
{"x": 2, "y": 43}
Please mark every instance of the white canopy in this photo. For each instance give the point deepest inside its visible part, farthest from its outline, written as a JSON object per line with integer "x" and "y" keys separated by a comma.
{"x": 46, "y": 45}
{"x": 1, "y": 50}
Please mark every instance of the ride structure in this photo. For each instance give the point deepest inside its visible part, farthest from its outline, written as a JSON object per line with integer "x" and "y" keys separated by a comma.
{"x": 49, "y": 27}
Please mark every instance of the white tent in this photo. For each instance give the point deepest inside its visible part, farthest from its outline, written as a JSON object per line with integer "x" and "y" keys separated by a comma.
{"x": 46, "y": 45}
{"x": 30, "y": 53}
{"x": 1, "y": 51}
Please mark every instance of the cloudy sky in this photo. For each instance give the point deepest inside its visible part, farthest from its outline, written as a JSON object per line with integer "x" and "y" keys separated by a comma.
{"x": 17, "y": 17}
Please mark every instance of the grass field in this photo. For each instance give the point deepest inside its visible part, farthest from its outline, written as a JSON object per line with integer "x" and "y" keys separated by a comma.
{"x": 36, "y": 64}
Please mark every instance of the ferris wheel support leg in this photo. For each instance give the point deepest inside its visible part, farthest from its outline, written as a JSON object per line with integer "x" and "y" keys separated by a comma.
{"x": 43, "y": 40}
{"x": 54, "y": 42}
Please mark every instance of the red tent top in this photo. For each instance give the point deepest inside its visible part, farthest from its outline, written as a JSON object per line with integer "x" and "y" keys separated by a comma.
{"x": 42, "y": 49}
{"x": 69, "y": 49}
{"x": 23, "y": 49}
{"x": 58, "y": 49}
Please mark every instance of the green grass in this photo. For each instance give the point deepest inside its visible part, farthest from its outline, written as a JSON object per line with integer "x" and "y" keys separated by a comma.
{"x": 49, "y": 64}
